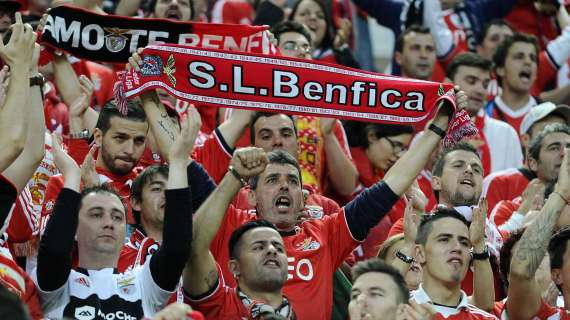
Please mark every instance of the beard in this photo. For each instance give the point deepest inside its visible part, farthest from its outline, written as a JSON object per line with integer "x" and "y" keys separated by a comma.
{"x": 459, "y": 199}
{"x": 109, "y": 162}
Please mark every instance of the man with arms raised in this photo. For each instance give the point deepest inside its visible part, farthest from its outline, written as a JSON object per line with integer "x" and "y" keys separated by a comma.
{"x": 97, "y": 218}
{"x": 316, "y": 248}
{"x": 524, "y": 300}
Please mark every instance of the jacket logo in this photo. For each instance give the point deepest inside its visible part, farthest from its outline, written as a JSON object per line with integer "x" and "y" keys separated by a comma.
{"x": 85, "y": 313}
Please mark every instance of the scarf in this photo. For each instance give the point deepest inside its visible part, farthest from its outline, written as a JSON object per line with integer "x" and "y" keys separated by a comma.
{"x": 282, "y": 84}
{"x": 113, "y": 39}
{"x": 310, "y": 151}
{"x": 482, "y": 145}
{"x": 257, "y": 309}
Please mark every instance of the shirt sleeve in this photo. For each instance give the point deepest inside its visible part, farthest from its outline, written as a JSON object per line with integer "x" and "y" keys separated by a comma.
{"x": 8, "y": 194}
{"x": 214, "y": 155}
{"x": 154, "y": 298}
{"x": 215, "y": 302}
{"x": 51, "y": 300}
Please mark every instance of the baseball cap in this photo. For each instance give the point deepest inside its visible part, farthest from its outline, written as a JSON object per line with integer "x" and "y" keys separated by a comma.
{"x": 541, "y": 111}
{"x": 12, "y": 5}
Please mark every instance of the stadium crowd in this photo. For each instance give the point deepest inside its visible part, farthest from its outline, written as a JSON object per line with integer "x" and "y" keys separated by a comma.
{"x": 171, "y": 210}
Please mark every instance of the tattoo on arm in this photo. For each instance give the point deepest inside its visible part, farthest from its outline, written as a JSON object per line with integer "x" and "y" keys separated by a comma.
{"x": 166, "y": 130}
{"x": 534, "y": 242}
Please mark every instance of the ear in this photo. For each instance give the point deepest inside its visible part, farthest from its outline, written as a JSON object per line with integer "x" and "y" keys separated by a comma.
{"x": 436, "y": 183}
{"x": 500, "y": 71}
{"x": 251, "y": 198}
{"x": 398, "y": 57}
{"x": 98, "y": 136}
{"x": 525, "y": 140}
{"x": 233, "y": 265}
{"x": 135, "y": 204}
{"x": 532, "y": 164}
{"x": 556, "y": 275}
{"x": 419, "y": 254}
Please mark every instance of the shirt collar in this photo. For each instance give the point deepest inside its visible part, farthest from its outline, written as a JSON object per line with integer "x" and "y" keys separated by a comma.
{"x": 421, "y": 296}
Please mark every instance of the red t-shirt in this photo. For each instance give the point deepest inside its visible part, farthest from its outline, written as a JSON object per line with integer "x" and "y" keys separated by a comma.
{"x": 214, "y": 155}
{"x": 545, "y": 312}
{"x": 232, "y": 11}
{"x": 524, "y": 18}
{"x": 314, "y": 252}
{"x": 505, "y": 185}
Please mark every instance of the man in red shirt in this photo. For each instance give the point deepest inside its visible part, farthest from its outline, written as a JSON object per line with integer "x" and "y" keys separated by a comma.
{"x": 316, "y": 248}
{"x": 516, "y": 62}
{"x": 524, "y": 300}
{"x": 443, "y": 249}
{"x": 121, "y": 140}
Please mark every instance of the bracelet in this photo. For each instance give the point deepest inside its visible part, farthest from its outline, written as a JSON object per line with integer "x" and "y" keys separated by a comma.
{"x": 561, "y": 196}
{"x": 404, "y": 257}
{"x": 83, "y": 134}
{"x": 437, "y": 130}
{"x": 481, "y": 255}
{"x": 237, "y": 176}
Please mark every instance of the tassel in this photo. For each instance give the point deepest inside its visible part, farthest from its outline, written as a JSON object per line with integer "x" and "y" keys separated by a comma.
{"x": 119, "y": 94}
{"x": 460, "y": 127}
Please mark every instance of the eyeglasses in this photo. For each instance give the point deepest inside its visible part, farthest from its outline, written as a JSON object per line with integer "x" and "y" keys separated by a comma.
{"x": 397, "y": 147}
{"x": 294, "y": 46}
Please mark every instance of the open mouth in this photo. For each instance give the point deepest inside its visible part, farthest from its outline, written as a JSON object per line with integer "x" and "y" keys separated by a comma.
{"x": 525, "y": 76}
{"x": 173, "y": 14}
{"x": 272, "y": 263}
{"x": 283, "y": 203}
{"x": 455, "y": 261}
{"x": 467, "y": 182}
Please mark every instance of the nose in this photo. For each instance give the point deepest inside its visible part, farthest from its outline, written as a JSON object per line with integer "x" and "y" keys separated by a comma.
{"x": 277, "y": 141}
{"x": 129, "y": 147}
{"x": 108, "y": 222}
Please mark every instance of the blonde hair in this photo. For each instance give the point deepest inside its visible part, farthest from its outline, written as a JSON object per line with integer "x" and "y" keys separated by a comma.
{"x": 388, "y": 244}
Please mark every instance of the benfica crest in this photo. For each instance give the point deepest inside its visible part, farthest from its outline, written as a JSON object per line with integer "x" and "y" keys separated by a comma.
{"x": 115, "y": 40}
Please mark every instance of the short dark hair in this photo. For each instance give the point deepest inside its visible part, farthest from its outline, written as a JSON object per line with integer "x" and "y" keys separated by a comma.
{"x": 536, "y": 143}
{"x": 329, "y": 28}
{"x": 557, "y": 247}
{"x": 11, "y": 307}
{"x": 426, "y": 224}
{"x": 109, "y": 110}
{"x": 377, "y": 265}
{"x": 142, "y": 180}
{"x": 401, "y": 38}
{"x": 468, "y": 59}
{"x": 279, "y": 157}
{"x": 258, "y": 115}
{"x": 488, "y": 25}
{"x": 241, "y": 230}
{"x": 290, "y": 26}
{"x": 439, "y": 162}
{"x": 104, "y": 188}
{"x": 502, "y": 51}
{"x": 357, "y": 132}
{"x": 507, "y": 254}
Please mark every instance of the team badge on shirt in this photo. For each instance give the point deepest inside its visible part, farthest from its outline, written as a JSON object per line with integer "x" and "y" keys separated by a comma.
{"x": 126, "y": 284}
{"x": 308, "y": 244}
{"x": 315, "y": 212}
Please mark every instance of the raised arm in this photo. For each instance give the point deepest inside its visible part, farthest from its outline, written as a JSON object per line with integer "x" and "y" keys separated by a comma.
{"x": 524, "y": 292}
{"x": 21, "y": 170}
{"x": 340, "y": 169}
{"x": 200, "y": 274}
{"x": 54, "y": 255}
{"x": 17, "y": 54}
{"x": 483, "y": 281}
{"x": 167, "y": 263}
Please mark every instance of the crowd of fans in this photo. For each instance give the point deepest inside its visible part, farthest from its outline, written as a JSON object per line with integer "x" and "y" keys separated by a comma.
{"x": 180, "y": 211}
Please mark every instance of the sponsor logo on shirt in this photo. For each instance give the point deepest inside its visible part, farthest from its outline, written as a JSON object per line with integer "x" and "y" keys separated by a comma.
{"x": 85, "y": 313}
{"x": 308, "y": 244}
{"x": 82, "y": 281}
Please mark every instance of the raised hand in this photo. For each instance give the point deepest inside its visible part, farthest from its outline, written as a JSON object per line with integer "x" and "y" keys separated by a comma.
{"x": 184, "y": 143}
{"x": 343, "y": 33}
{"x": 135, "y": 61}
{"x": 81, "y": 104}
{"x": 444, "y": 113}
{"x": 89, "y": 175}
{"x": 17, "y": 53}
{"x": 249, "y": 162}
{"x": 415, "y": 311}
{"x": 477, "y": 228}
{"x": 534, "y": 190}
{"x": 327, "y": 125}
{"x": 66, "y": 165}
{"x": 563, "y": 185}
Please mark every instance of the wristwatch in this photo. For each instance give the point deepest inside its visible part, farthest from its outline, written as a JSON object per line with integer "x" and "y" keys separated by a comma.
{"x": 83, "y": 134}
{"x": 403, "y": 257}
{"x": 37, "y": 80}
{"x": 482, "y": 255}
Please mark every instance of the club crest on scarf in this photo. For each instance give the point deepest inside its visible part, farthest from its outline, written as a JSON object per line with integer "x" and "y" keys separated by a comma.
{"x": 115, "y": 39}
{"x": 152, "y": 66}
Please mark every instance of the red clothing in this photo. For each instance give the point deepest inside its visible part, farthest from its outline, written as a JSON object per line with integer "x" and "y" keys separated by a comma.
{"x": 122, "y": 184}
{"x": 23, "y": 219}
{"x": 103, "y": 78}
{"x": 56, "y": 114}
{"x": 214, "y": 155}
{"x": 505, "y": 185}
{"x": 232, "y": 11}
{"x": 223, "y": 303}
{"x": 18, "y": 282}
{"x": 524, "y": 18}
{"x": 314, "y": 252}
{"x": 545, "y": 312}
{"x": 135, "y": 252}
{"x": 503, "y": 211}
